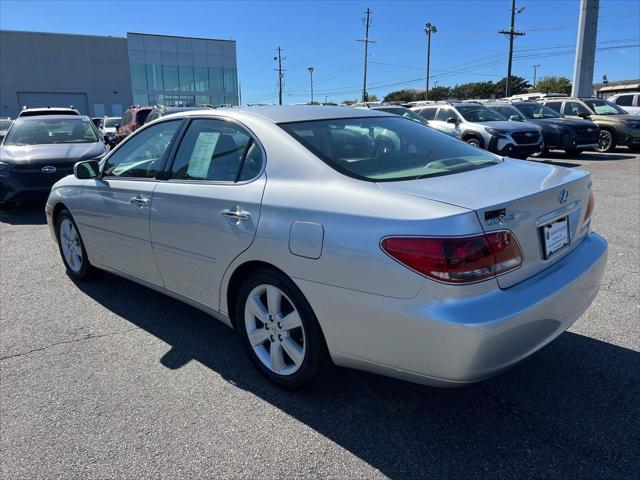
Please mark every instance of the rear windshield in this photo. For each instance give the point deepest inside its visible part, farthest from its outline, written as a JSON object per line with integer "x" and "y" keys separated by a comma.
{"x": 142, "y": 115}
{"x": 387, "y": 148}
{"x": 43, "y": 130}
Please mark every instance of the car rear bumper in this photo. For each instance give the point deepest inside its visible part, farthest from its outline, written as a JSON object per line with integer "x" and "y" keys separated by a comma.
{"x": 458, "y": 340}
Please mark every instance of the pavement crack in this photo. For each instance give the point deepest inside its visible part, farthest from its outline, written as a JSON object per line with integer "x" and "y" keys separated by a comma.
{"x": 65, "y": 342}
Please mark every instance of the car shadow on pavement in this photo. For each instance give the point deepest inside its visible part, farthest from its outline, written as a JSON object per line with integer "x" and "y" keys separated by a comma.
{"x": 592, "y": 156}
{"x": 28, "y": 213}
{"x": 572, "y": 410}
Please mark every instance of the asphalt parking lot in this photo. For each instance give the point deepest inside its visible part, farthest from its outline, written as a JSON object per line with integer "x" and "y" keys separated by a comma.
{"x": 111, "y": 380}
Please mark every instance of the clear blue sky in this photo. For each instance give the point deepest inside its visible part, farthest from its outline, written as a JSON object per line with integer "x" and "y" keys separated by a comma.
{"x": 323, "y": 34}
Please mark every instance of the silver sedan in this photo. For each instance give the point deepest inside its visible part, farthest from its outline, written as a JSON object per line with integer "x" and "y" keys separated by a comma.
{"x": 340, "y": 235}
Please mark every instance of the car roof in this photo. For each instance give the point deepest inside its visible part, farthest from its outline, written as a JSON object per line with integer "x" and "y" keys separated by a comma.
{"x": 292, "y": 113}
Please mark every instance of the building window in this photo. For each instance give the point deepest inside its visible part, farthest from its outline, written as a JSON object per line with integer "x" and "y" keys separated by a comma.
{"x": 230, "y": 86}
{"x": 141, "y": 99}
{"x": 116, "y": 109}
{"x": 99, "y": 110}
{"x": 216, "y": 80}
{"x": 203, "y": 100}
{"x": 186, "y": 79}
{"x": 138, "y": 77}
{"x": 201, "y": 75}
{"x": 179, "y": 100}
{"x": 156, "y": 99}
{"x": 170, "y": 75}
{"x": 154, "y": 77}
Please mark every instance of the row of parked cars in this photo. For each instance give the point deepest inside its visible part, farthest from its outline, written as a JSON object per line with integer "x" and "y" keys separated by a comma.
{"x": 521, "y": 128}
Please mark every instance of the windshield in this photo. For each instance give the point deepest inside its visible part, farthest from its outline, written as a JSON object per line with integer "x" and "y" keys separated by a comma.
{"x": 40, "y": 131}
{"x": 387, "y": 148}
{"x": 478, "y": 113}
{"x": 536, "y": 111}
{"x": 406, "y": 113}
{"x": 111, "y": 122}
{"x": 5, "y": 124}
{"x": 604, "y": 107}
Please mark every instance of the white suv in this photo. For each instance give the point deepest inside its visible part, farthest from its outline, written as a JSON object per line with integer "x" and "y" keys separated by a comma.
{"x": 629, "y": 102}
{"x": 484, "y": 128}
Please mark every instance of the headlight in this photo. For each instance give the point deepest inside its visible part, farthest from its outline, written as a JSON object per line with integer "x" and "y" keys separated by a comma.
{"x": 497, "y": 132}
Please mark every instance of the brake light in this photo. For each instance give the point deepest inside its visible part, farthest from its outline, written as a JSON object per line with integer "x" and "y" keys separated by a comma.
{"x": 457, "y": 259}
{"x": 589, "y": 210}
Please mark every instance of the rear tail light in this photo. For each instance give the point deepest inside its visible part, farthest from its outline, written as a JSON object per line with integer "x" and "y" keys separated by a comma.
{"x": 457, "y": 259}
{"x": 589, "y": 210}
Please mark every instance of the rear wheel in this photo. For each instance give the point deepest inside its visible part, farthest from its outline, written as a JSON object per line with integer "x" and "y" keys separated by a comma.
{"x": 473, "y": 141}
{"x": 279, "y": 330}
{"x": 605, "y": 142}
{"x": 72, "y": 248}
{"x": 542, "y": 151}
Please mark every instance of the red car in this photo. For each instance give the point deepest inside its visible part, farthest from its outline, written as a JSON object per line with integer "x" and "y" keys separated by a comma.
{"x": 133, "y": 118}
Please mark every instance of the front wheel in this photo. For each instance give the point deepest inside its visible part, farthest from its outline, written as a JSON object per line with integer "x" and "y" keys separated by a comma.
{"x": 72, "y": 248}
{"x": 542, "y": 151}
{"x": 473, "y": 141}
{"x": 605, "y": 142}
{"x": 279, "y": 330}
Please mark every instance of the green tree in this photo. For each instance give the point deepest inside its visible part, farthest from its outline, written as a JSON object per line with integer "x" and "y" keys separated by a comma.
{"x": 553, "y": 84}
{"x": 438, "y": 93}
{"x": 403, "y": 96}
{"x": 349, "y": 101}
{"x": 518, "y": 85}
{"x": 372, "y": 98}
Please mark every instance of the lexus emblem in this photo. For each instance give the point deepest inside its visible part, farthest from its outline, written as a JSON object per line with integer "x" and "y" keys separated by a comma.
{"x": 563, "y": 196}
{"x": 528, "y": 134}
{"x": 49, "y": 169}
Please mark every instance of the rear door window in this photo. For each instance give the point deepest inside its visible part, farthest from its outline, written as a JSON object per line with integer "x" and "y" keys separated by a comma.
{"x": 428, "y": 113}
{"x": 216, "y": 150}
{"x": 554, "y": 106}
{"x": 445, "y": 113}
{"x": 575, "y": 109}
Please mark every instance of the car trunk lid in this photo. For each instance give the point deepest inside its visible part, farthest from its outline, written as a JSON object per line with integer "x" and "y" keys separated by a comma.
{"x": 520, "y": 196}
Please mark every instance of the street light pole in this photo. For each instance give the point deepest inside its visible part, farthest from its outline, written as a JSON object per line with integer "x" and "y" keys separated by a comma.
{"x": 535, "y": 71}
{"x": 428, "y": 29}
{"x": 311, "y": 73}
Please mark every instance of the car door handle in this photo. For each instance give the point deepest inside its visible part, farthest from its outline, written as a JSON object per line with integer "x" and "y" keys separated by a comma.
{"x": 139, "y": 201}
{"x": 236, "y": 213}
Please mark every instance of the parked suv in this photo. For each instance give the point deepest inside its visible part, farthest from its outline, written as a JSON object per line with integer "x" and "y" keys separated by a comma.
{"x": 133, "y": 118}
{"x": 484, "y": 128}
{"x": 617, "y": 127}
{"x": 629, "y": 102}
{"x": 568, "y": 134}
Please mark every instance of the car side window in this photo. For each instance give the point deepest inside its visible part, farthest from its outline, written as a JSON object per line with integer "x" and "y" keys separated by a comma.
{"x": 554, "y": 106}
{"x": 428, "y": 113}
{"x": 444, "y": 113}
{"x": 624, "y": 100}
{"x": 127, "y": 118}
{"x": 575, "y": 109}
{"x": 216, "y": 150}
{"x": 143, "y": 154}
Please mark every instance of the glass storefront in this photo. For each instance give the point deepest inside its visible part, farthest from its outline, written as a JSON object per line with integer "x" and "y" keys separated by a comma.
{"x": 154, "y": 84}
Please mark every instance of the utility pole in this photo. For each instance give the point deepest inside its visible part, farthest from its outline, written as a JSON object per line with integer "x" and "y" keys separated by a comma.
{"x": 279, "y": 58}
{"x": 585, "y": 49}
{"x": 311, "y": 73}
{"x": 511, "y": 33}
{"x": 367, "y": 22}
{"x": 535, "y": 71}
{"x": 428, "y": 29}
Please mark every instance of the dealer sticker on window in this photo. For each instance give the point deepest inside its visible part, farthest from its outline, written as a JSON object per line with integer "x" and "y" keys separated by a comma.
{"x": 555, "y": 236}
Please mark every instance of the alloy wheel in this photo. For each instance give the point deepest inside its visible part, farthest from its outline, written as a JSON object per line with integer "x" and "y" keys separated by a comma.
{"x": 70, "y": 243}
{"x": 605, "y": 141}
{"x": 275, "y": 329}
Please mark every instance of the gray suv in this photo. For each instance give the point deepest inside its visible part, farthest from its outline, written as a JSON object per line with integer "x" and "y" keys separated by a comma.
{"x": 484, "y": 128}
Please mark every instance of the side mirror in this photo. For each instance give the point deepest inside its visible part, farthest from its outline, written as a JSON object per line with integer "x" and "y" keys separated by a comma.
{"x": 452, "y": 120}
{"x": 515, "y": 118}
{"x": 86, "y": 170}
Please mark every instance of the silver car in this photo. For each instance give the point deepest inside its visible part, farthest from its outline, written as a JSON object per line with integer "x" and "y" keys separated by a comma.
{"x": 427, "y": 260}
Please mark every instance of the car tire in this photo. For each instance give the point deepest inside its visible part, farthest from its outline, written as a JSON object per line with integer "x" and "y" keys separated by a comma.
{"x": 474, "y": 141}
{"x": 573, "y": 151}
{"x": 71, "y": 247}
{"x": 542, "y": 152}
{"x": 289, "y": 353}
{"x": 606, "y": 142}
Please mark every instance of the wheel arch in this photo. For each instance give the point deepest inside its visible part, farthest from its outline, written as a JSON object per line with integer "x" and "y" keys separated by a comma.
{"x": 59, "y": 207}
{"x": 469, "y": 134}
{"x": 235, "y": 281}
